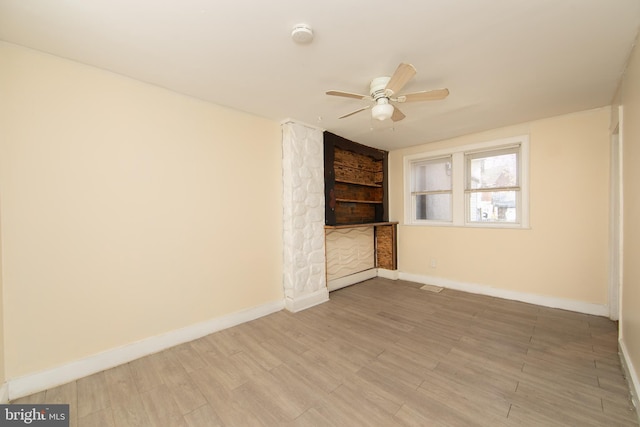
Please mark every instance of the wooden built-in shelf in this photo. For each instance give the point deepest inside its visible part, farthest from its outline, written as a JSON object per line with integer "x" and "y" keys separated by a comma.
{"x": 366, "y": 184}
{"x": 372, "y": 224}
{"x": 357, "y": 201}
{"x": 355, "y": 181}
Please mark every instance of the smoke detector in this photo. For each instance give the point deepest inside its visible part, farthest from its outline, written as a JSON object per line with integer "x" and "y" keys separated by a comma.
{"x": 302, "y": 33}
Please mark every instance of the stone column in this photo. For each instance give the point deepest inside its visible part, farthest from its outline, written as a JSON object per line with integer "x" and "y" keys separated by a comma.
{"x": 303, "y": 216}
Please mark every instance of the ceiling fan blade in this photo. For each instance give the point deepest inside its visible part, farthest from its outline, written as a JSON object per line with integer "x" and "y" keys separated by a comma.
{"x": 400, "y": 77}
{"x": 397, "y": 114}
{"x": 427, "y": 95}
{"x": 347, "y": 94}
{"x": 354, "y": 112}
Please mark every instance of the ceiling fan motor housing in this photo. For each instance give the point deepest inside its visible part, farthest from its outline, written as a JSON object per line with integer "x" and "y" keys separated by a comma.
{"x": 382, "y": 110}
{"x": 377, "y": 87}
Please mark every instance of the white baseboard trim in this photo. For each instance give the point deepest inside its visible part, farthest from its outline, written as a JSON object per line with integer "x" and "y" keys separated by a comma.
{"x": 33, "y": 383}
{"x": 351, "y": 279}
{"x": 307, "y": 301}
{"x": 4, "y": 393}
{"x": 545, "y": 301}
{"x": 388, "y": 274}
{"x": 631, "y": 374}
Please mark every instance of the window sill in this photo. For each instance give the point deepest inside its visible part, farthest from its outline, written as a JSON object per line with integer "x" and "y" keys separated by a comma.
{"x": 476, "y": 226}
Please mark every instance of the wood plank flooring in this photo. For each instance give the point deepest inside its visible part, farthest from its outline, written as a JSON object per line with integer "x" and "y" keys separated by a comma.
{"x": 379, "y": 353}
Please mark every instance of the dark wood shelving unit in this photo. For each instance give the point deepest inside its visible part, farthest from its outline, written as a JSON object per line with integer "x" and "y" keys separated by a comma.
{"x": 355, "y": 182}
{"x": 355, "y": 178}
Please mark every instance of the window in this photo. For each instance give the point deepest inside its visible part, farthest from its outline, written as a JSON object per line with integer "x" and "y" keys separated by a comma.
{"x": 479, "y": 185}
{"x": 431, "y": 189}
{"x": 492, "y": 185}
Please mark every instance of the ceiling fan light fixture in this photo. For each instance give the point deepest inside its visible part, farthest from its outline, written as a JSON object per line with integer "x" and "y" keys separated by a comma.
{"x": 382, "y": 110}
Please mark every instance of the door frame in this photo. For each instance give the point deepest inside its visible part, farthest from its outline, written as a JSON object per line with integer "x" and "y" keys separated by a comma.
{"x": 615, "y": 216}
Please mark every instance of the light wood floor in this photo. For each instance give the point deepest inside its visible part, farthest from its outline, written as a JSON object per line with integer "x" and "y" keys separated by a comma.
{"x": 380, "y": 353}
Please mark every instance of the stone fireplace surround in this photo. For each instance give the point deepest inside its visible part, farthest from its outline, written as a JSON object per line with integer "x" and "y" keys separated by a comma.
{"x": 305, "y": 235}
{"x": 303, "y": 216}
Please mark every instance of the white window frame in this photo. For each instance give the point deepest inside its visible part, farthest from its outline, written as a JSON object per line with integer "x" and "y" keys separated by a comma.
{"x": 459, "y": 208}
{"x": 413, "y": 193}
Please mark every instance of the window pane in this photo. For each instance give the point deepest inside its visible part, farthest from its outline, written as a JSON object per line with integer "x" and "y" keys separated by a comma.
{"x": 493, "y": 206}
{"x": 434, "y": 207}
{"x": 493, "y": 171}
{"x": 432, "y": 175}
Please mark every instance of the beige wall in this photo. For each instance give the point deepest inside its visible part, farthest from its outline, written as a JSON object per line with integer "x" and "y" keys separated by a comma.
{"x": 564, "y": 254}
{"x": 127, "y": 210}
{"x": 630, "y": 307}
{"x": 2, "y": 346}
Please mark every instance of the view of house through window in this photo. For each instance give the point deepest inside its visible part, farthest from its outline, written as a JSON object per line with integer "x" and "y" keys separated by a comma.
{"x": 492, "y": 186}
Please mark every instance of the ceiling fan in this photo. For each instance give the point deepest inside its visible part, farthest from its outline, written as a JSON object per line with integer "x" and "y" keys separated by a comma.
{"x": 383, "y": 91}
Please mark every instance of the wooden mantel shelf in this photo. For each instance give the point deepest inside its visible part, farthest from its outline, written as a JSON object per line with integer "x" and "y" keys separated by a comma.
{"x": 369, "y": 224}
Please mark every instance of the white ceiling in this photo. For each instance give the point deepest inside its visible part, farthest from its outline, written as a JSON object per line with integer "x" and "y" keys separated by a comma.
{"x": 504, "y": 61}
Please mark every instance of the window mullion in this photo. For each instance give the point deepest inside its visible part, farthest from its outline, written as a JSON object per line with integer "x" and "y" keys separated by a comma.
{"x": 458, "y": 185}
